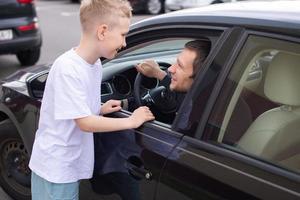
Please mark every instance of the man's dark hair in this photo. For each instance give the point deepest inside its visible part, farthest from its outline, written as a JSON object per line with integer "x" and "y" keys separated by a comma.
{"x": 202, "y": 48}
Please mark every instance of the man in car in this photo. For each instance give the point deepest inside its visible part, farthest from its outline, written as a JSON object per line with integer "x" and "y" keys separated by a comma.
{"x": 181, "y": 74}
{"x": 112, "y": 150}
{"x": 179, "y": 77}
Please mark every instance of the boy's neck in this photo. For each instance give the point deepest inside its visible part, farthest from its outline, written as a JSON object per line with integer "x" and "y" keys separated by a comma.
{"x": 87, "y": 52}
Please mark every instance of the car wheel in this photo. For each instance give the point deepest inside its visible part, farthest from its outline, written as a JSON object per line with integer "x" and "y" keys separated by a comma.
{"x": 29, "y": 57}
{"x": 154, "y": 7}
{"x": 15, "y": 174}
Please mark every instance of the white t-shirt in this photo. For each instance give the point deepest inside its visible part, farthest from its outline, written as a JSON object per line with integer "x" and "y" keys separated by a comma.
{"x": 62, "y": 153}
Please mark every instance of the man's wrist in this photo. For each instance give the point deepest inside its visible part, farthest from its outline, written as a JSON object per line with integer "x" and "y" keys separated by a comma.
{"x": 161, "y": 75}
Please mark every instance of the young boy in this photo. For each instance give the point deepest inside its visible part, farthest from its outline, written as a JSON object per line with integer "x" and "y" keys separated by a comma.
{"x": 63, "y": 150}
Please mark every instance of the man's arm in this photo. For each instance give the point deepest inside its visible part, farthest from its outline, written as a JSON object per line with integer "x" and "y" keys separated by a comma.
{"x": 151, "y": 69}
{"x": 166, "y": 81}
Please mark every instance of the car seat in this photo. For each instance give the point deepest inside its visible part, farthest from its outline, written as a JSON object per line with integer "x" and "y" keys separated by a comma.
{"x": 274, "y": 135}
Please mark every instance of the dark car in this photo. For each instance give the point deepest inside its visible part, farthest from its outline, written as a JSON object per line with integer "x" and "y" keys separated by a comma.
{"x": 149, "y": 6}
{"x": 236, "y": 134}
{"x": 19, "y": 30}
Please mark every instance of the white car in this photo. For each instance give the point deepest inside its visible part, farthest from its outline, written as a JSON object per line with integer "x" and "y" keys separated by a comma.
{"x": 171, "y": 5}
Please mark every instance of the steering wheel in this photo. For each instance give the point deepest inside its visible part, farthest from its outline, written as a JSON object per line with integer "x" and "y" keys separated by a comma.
{"x": 158, "y": 98}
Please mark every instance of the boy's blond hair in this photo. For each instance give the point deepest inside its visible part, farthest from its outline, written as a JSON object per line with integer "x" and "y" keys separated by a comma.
{"x": 103, "y": 11}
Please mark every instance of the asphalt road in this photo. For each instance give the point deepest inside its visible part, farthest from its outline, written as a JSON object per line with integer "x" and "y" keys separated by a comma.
{"x": 59, "y": 22}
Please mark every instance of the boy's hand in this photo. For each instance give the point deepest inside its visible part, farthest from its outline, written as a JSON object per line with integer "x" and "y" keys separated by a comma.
{"x": 110, "y": 106}
{"x": 141, "y": 115}
{"x": 150, "y": 69}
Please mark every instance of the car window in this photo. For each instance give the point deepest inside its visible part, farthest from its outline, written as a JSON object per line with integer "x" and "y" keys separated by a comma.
{"x": 160, "y": 50}
{"x": 124, "y": 75}
{"x": 258, "y": 110}
{"x": 162, "y": 46}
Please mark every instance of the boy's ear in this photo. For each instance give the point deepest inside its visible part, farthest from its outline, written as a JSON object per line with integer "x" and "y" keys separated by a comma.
{"x": 101, "y": 31}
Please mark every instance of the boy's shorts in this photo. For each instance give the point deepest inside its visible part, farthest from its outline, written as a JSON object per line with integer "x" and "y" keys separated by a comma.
{"x": 42, "y": 189}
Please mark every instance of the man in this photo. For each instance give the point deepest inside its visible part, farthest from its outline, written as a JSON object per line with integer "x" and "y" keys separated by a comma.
{"x": 183, "y": 71}
{"x": 112, "y": 150}
{"x": 180, "y": 75}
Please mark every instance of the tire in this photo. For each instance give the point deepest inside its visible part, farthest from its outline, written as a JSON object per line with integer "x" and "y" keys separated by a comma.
{"x": 29, "y": 57}
{"x": 155, "y": 7}
{"x": 15, "y": 174}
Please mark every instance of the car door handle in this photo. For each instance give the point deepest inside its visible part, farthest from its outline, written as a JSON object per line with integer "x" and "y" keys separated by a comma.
{"x": 140, "y": 173}
{"x": 136, "y": 168}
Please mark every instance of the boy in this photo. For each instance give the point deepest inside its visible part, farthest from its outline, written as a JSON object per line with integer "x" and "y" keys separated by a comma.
{"x": 63, "y": 150}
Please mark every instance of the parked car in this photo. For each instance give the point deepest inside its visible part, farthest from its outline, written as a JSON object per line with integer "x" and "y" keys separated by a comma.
{"x": 172, "y": 5}
{"x": 241, "y": 138}
{"x": 149, "y": 6}
{"x": 19, "y": 30}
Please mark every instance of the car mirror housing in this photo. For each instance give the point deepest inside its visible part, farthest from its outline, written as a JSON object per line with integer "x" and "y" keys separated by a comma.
{"x": 36, "y": 86}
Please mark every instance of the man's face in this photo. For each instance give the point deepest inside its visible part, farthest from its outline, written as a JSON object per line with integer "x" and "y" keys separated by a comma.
{"x": 182, "y": 70}
{"x": 115, "y": 38}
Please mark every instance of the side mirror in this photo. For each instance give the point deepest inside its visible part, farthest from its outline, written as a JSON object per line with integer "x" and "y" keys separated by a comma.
{"x": 36, "y": 86}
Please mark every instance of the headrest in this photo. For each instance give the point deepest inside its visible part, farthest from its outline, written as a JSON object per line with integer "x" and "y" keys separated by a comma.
{"x": 282, "y": 83}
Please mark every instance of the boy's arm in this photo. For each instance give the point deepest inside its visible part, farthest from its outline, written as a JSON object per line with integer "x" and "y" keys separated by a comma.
{"x": 95, "y": 123}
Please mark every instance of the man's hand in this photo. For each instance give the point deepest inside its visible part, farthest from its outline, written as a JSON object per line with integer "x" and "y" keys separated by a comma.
{"x": 151, "y": 69}
{"x": 110, "y": 107}
{"x": 141, "y": 115}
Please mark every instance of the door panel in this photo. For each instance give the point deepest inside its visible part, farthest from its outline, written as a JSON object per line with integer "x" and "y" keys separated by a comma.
{"x": 129, "y": 162}
{"x": 196, "y": 174}
{"x": 141, "y": 153}
{"x": 156, "y": 144}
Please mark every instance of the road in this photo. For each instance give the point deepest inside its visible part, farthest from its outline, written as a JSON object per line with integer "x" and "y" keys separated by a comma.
{"x": 59, "y": 22}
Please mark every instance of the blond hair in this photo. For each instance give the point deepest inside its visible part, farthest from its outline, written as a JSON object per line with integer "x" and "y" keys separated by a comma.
{"x": 103, "y": 11}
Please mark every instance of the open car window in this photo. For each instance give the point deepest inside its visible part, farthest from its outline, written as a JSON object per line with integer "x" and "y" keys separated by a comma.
{"x": 160, "y": 50}
{"x": 161, "y": 46}
{"x": 119, "y": 82}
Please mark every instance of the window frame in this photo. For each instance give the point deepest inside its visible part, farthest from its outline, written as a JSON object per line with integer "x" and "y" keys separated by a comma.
{"x": 160, "y": 33}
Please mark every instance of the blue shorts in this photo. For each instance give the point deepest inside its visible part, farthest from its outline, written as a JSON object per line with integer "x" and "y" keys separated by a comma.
{"x": 43, "y": 189}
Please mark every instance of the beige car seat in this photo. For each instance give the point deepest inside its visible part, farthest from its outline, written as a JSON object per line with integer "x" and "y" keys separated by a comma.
{"x": 275, "y": 134}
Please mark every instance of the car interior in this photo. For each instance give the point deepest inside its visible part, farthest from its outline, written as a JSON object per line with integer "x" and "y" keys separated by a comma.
{"x": 263, "y": 115}
{"x": 274, "y": 134}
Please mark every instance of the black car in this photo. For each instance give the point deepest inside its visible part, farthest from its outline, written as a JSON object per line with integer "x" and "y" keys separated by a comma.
{"x": 149, "y": 6}
{"x": 236, "y": 134}
{"x": 19, "y": 30}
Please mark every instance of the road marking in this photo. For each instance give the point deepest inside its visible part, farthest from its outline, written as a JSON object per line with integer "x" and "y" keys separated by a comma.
{"x": 69, "y": 14}
{"x": 65, "y": 14}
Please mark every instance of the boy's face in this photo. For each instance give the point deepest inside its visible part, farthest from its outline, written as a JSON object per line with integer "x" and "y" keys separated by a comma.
{"x": 182, "y": 70}
{"x": 114, "y": 38}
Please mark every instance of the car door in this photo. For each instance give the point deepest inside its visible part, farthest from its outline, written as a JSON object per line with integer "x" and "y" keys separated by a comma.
{"x": 154, "y": 141}
{"x": 246, "y": 144}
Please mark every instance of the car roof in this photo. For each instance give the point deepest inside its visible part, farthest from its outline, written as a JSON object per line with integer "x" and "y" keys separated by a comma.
{"x": 279, "y": 16}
